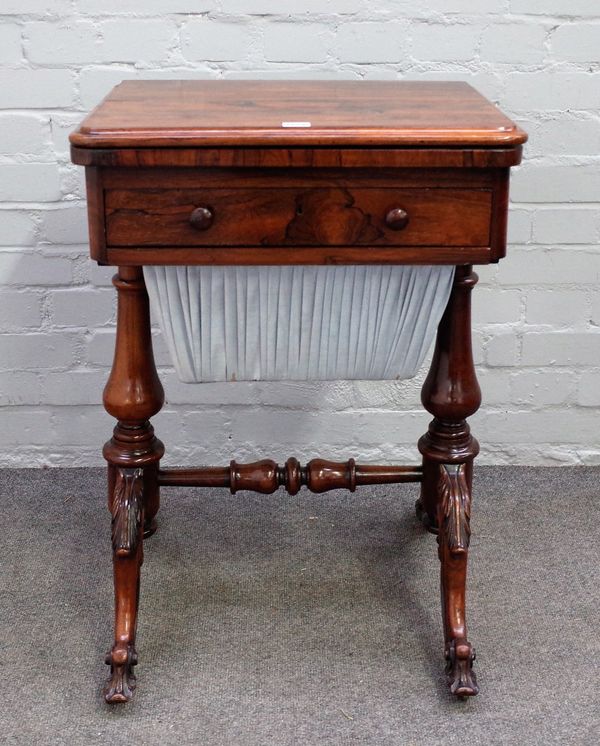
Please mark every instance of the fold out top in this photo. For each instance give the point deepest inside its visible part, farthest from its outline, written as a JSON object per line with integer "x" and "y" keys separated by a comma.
{"x": 209, "y": 113}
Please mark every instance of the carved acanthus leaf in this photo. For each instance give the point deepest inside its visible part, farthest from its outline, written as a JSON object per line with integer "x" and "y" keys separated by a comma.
{"x": 127, "y": 511}
{"x": 456, "y": 507}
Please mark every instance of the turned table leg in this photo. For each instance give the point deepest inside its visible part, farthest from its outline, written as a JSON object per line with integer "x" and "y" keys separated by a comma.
{"x": 451, "y": 394}
{"x": 132, "y": 395}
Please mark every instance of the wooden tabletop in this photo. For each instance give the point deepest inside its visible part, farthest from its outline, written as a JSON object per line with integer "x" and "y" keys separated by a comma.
{"x": 198, "y": 113}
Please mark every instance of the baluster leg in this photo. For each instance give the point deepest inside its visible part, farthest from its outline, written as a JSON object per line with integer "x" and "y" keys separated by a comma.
{"x": 451, "y": 394}
{"x": 132, "y": 395}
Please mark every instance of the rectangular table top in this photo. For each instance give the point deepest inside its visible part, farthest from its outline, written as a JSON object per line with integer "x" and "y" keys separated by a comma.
{"x": 209, "y": 113}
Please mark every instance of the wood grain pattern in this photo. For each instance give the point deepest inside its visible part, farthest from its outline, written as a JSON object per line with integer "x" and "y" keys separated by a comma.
{"x": 459, "y": 230}
{"x": 251, "y": 113}
{"x": 278, "y": 178}
{"x": 155, "y": 151}
{"x": 283, "y": 255}
{"x": 320, "y": 216}
{"x": 294, "y": 158}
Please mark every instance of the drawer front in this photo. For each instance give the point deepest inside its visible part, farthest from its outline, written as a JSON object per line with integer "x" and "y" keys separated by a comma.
{"x": 298, "y": 216}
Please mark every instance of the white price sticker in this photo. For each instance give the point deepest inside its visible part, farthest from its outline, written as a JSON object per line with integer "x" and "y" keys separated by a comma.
{"x": 296, "y": 124}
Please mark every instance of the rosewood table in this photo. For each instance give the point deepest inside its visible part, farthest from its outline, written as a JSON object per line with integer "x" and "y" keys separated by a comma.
{"x": 242, "y": 174}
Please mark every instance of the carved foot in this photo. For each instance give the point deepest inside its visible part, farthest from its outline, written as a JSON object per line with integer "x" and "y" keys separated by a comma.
{"x": 459, "y": 669}
{"x": 423, "y": 517}
{"x": 121, "y": 684}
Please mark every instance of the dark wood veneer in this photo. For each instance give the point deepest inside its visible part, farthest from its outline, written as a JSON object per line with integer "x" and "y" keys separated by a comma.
{"x": 285, "y": 213}
{"x": 208, "y": 113}
{"x": 386, "y": 173}
{"x": 309, "y": 216}
{"x": 294, "y": 157}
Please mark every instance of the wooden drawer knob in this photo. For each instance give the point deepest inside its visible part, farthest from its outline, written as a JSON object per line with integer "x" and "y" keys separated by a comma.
{"x": 396, "y": 219}
{"x": 201, "y": 218}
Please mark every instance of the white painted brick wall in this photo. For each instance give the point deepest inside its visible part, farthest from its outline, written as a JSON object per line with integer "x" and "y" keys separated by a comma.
{"x": 371, "y": 42}
{"x": 536, "y": 315}
{"x": 576, "y": 42}
{"x": 288, "y": 42}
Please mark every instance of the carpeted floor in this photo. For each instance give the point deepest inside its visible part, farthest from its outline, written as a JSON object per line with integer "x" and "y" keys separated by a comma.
{"x": 302, "y": 620}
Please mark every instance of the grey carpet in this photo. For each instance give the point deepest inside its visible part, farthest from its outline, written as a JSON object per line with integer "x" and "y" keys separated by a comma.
{"x": 302, "y": 620}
